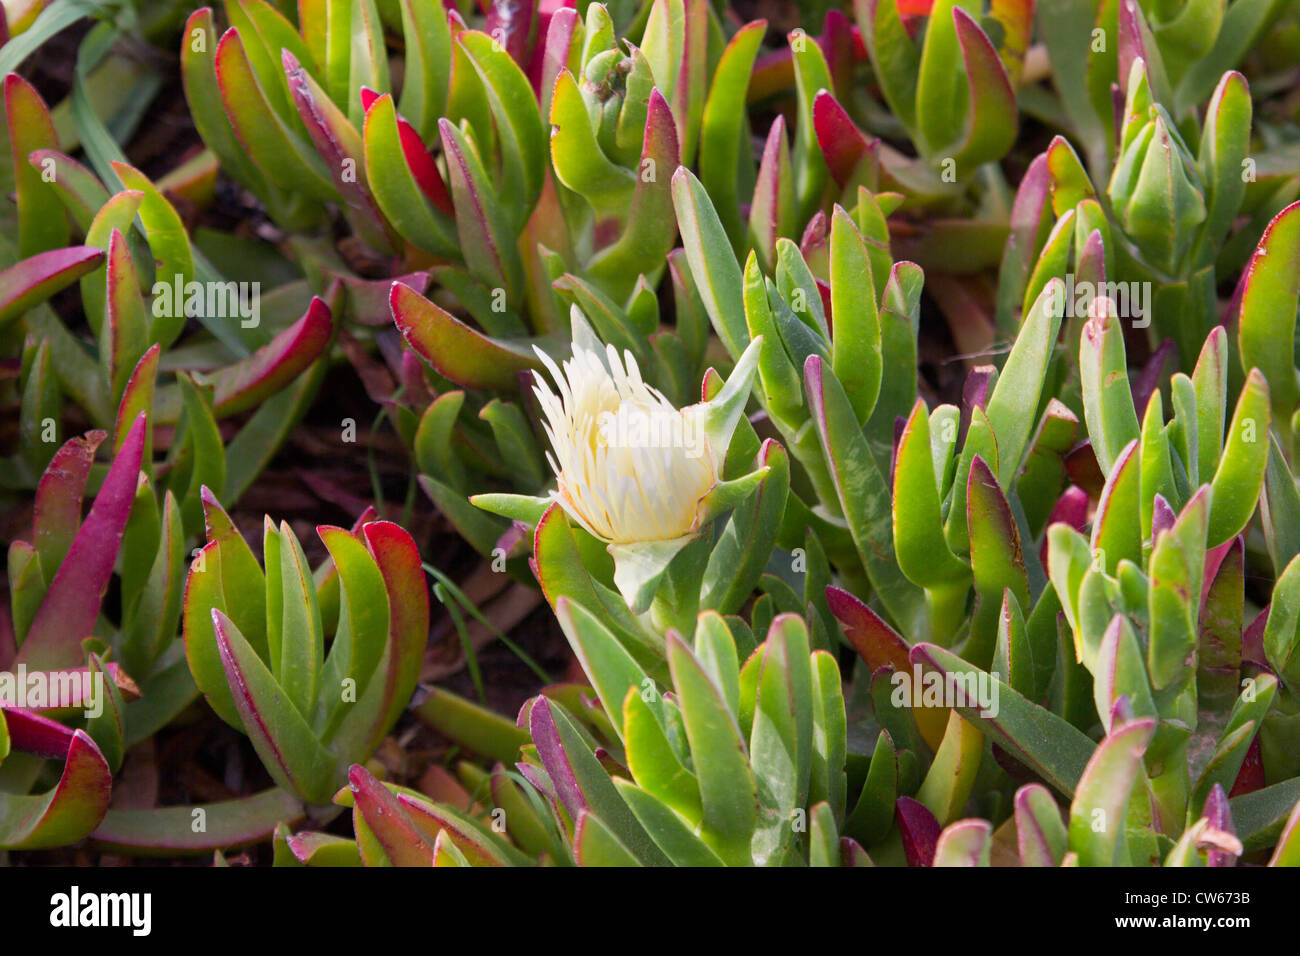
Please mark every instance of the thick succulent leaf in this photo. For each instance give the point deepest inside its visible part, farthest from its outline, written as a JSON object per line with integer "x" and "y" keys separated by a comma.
{"x": 1225, "y": 143}
{"x": 671, "y": 832}
{"x": 862, "y": 492}
{"x": 57, "y": 509}
{"x": 581, "y": 782}
{"x": 1116, "y": 528}
{"x": 880, "y": 646}
{"x": 723, "y": 131}
{"x": 252, "y": 380}
{"x": 1012, "y": 407}
{"x": 477, "y": 729}
{"x": 811, "y": 75}
{"x": 391, "y": 835}
{"x": 71, "y": 605}
{"x": 1287, "y": 851}
{"x": 1040, "y": 834}
{"x": 894, "y": 56}
{"x": 1038, "y": 738}
{"x": 650, "y": 231}
{"x": 340, "y": 146}
{"x": 398, "y": 175}
{"x": 919, "y": 545}
{"x": 997, "y": 561}
{"x": 124, "y": 336}
{"x": 1261, "y": 816}
{"x": 728, "y": 793}
{"x": 66, "y": 813}
{"x": 275, "y": 147}
{"x": 780, "y": 743}
{"x": 964, "y": 843}
{"x": 951, "y": 777}
{"x": 1239, "y": 478}
{"x": 168, "y": 241}
{"x": 29, "y": 283}
{"x": 856, "y": 350}
{"x": 611, "y": 669}
{"x": 713, "y": 264}
{"x": 990, "y": 124}
{"x": 742, "y": 552}
{"x": 594, "y": 844}
{"x": 919, "y": 830}
{"x": 426, "y": 75}
{"x": 873, "y": 816}
{"x": 1279, "y": 508}
{"x": 654, "y": 760}
{"x": 170, "y": 831}
{"x": 941, "y": 91}
{"x": 1107, "y": 398}
{"x": 279, "y": 733}
{"x": 1100, "y": 806}
{"x": 42, "y": 221}
{"x": 454, "y": 349}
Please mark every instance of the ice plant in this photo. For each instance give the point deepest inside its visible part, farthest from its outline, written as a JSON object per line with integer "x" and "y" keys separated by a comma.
{"x": 57, "y": 583}
{"x": 957, "y": 117}
{"x": 630, "y": 467}
{"x": 131, "y": 236}
{"x": 1070, "y": 576}
{"x": 631, "y": 470}
{"x": 736, "y": 759}
{"x": 1188, "y": 46}
{"x": 256, "y": 643}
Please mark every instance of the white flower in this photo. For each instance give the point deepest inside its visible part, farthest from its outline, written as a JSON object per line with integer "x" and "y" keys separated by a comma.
{"x": 629, "y": 466}
{"x": 636, "y": 472}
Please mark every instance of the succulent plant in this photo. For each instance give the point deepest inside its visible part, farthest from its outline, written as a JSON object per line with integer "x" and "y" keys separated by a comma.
{"x": 640, "y": 288}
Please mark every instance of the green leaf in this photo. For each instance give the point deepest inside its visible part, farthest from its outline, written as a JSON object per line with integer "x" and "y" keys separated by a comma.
{"x": 894, "y": 56}
{"x": 29, "y": 283}
{"x": 426, "y": 75}
{"x": 965, "y": 843}
{"x": 744, "y": 548}
{"x": 289, "y": 751}
{"x": 1239, "y": 478}
{"x": 862, "y": 491}
{"x": 951, "y": 777}
{"x": 671, "y": 832}
{"x": 856, "y": 355}
{"x": 611, "y": 669}
{"x": 919, "y": 545}
{"x": 727, "y": 787}
{"x": 455, "y": 350}
{"x": 68, "y": 812}
{"x": 277, "y": 149}
{"x": 780, "y": 741}
{"x": 1012, "y": 407}
{"x": 723, "y": 129}
{"x": 1279, "y": 508}
{"x": 42, "y": 221}
{"x": 990, "y": 125}
{"x": 1116, "y": 528}
{"x": 594, "y": 844}
{"x": 1036, "y": 737}
{"x": 1107, "y": 399}
{"x": 1100, "y": 807}
{"x": 1041, "y": 837}
{"x": 713, "y": 264}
